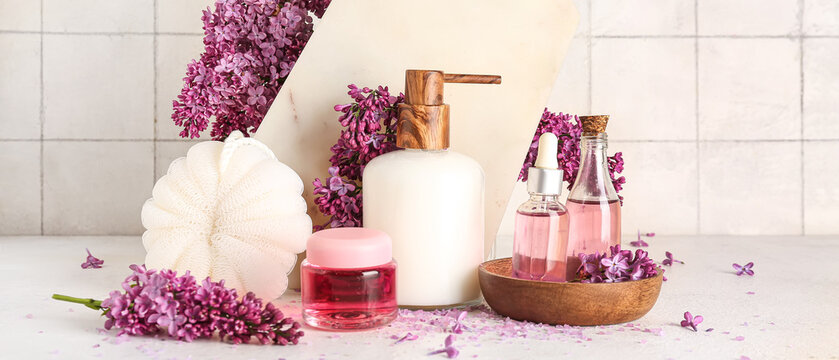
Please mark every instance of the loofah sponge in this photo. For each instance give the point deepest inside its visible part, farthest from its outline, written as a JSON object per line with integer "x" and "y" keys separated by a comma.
{"x": 229, "y": 211}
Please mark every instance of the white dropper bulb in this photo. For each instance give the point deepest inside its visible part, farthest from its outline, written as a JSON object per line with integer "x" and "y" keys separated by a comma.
{"x": 546, "y": 157}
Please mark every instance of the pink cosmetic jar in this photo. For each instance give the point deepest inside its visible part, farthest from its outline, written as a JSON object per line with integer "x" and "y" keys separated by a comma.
{"x": 348, "y": 280}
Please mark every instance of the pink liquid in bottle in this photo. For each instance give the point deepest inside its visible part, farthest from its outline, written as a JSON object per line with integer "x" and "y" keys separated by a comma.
{"x": 594, "y": 226}
{"x": 539, "y": 246}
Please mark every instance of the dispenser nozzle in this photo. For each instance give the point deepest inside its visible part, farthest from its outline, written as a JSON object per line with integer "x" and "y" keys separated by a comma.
{"x": 424, "y": 118}
{"x": 546, "y": 157}
{"x": 471, "y": 79}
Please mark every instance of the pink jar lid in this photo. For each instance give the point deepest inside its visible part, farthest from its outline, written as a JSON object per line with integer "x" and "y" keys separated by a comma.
{"x": 349, "y": 248}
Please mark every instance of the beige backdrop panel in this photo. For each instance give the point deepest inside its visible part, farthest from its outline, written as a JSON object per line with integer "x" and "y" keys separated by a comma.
{"x": 373, "y": 42}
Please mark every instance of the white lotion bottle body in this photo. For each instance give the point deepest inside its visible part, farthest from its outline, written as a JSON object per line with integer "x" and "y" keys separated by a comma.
{"x": 431, "y": 203}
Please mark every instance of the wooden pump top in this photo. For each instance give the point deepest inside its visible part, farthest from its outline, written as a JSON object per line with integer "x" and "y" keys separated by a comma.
{"x": 424, "y": 118}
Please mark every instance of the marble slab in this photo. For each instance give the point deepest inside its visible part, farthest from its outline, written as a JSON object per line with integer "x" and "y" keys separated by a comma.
{"x": 373, "y": 42}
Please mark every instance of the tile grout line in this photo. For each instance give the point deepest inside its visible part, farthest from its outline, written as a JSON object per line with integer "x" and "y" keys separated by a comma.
{"x": 696, "y": 115}
{"x": 801, "y": 105}
{"x": 677, "y": 141}
{"x": 154, "y": 101}
{"x": 648, "y": 36}
{"x": 41, "y": 115}
{"x": 100, "y": 33}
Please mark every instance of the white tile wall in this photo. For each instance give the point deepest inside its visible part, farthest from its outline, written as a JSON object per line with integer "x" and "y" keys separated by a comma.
{"x": 749, "y": 89}
{"x": 20, "y": 15}
{"x": 647, "y": 85}
{"x": 115, "y": 72}
{"x": 174, "y": 52}
{"x": 168, "y": 151}
{"x": 20, "y": 184}
{"x": 96, "y": 187}
{"x": 748, "y": 17}
{"x": 750, "y": 188}
{"x": 725, "y": 110}
{"x": 821, "y": 17}
{"x": 642, "y": 17}
{"x": 661, "y": 190}
{"x": 181, "y": 16}
{"x": 821, "y": 195}
{"x": 113, "y": 16}
{"x": 821, "y": 88}
{"x": 20, "y": 96}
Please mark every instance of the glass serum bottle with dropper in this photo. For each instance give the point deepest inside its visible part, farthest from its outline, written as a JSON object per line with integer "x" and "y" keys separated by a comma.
{"x": 593, "y": 204}
{"x": 540, "y": 239}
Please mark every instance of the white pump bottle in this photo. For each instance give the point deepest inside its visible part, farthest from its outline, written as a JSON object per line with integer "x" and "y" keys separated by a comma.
{"x": 429, "y": 199}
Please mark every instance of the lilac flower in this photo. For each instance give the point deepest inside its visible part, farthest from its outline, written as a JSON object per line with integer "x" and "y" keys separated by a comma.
{"x": 691, "y": 321}
{"x": 618, "y": 266}
{"x": 745, "y": 269}
{"x": 569, "y": 131}
{"x": 369, "y": 131}
{"x": 92, "y": 262}
{"x": 640, "y": 242}
{"x": 250, "y": 47}
{"x": 458, "y": 325}
{"x": 449, "y": 350}
{"x": 407, "y": 337}
{"x": 615, "y": 265}
{"x": 152, "y": 300}
{"x": 670, "y": 260}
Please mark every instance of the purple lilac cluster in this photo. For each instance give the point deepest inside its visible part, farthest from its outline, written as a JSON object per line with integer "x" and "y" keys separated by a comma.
{"x": 569, "y": 131}
{"x": 250, "y": 46}
{"x": 369, "y": 130}
{"x": 187, "y": 310}
{"x": 618, "y": 266}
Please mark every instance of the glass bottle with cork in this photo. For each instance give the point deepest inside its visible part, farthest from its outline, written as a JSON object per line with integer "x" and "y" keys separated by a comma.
{"x": 593, "y": 205}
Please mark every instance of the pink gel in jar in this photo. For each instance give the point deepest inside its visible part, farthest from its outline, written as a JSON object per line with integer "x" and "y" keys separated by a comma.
{"x": 348, "y": 280}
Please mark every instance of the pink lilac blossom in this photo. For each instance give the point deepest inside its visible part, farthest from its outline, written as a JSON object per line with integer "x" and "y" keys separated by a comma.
{"x": 407, "y": 337}
{"x": 369, "y": 130}
{"x": 670, "y": 260}
{"x": 449, "y": 348}
{"x": 458, "y": 326}
{"x": 640, "y": 242}
{"x": 745, "y": 269}
{"x": 250, "y": 46}
{"x": 153, "y": 300}
{"x": 92, "y": 262}
{"x": 618, "y": 266}
{"x": 569, "y": 131}
{"x": 691, "y": 321}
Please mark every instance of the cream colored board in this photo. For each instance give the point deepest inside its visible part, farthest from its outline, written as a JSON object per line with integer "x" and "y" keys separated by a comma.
{"x": 373, "y": 42}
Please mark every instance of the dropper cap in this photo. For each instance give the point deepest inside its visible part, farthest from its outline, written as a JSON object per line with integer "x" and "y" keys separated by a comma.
{"x": 546, "y": 155}
{"x": 545, "y": 177}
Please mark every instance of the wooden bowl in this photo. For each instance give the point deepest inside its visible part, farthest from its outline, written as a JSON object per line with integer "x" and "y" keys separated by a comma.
{"x": 565, "y": 303}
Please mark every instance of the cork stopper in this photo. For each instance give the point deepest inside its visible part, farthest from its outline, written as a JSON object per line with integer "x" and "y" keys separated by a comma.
{"x": 424, "y": 118}
{"x": 594, "y": 124}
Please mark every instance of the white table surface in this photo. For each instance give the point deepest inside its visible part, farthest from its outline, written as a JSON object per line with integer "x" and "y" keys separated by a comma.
{"x": 793, "y": 313}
